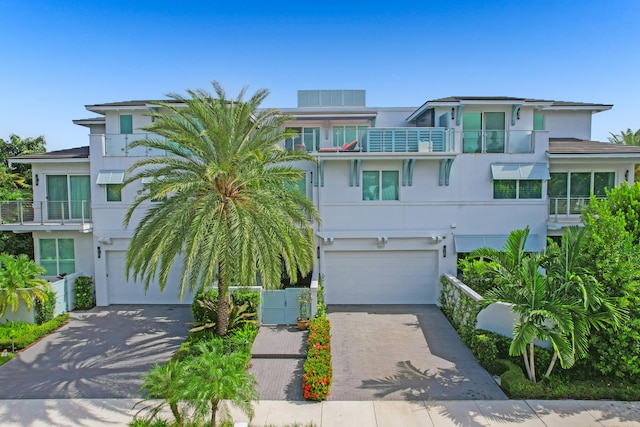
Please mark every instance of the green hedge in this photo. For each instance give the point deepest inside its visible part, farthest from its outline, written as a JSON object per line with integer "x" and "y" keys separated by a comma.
{"x": 83, "y": 292}
{"x": 35, "y": 334}
{"x": 44, "y": 310}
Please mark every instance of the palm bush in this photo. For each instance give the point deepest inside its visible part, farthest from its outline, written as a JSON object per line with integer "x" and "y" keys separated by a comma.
{"x": 19, "y": 282}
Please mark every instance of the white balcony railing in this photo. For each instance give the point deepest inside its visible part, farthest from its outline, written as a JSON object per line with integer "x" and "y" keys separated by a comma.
{"x": 26, "y": 212}
{"x": 119, "y": 145}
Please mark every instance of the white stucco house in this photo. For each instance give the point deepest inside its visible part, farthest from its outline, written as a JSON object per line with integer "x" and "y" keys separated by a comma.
{"x": 401, "y": 191}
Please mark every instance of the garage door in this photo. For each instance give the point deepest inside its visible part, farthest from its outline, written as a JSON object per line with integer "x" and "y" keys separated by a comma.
{"x": 381, "y": 277}
{"x": 123, "y": 291}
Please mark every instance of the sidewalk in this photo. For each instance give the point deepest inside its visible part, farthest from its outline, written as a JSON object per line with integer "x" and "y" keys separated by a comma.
{"x": 460, "y": 413}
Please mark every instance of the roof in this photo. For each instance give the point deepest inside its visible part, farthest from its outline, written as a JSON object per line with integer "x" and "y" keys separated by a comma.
{"x": 89, "y": 121}
{"x": 70, "y": 153}
{"x": 544, "y": 104}
{"x": 135, "y": 104}
{"x": 571, "y": 147}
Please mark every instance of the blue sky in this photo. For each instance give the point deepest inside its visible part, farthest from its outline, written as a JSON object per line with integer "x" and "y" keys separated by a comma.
{"x": 58, "y": 56}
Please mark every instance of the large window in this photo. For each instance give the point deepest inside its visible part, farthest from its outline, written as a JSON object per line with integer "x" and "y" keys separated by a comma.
{"x": 308, "y": 139}
{"x": 517, "y": 189}
{"x": 68, "y": 196}
{"x": 346, "y": 134}
{"x": 57, "y": 256}
{"x": 483, "y": 132}
{"x": 569, "y": 192}
{"x": 380, "y": 185}
{"x": 538, "y": 121}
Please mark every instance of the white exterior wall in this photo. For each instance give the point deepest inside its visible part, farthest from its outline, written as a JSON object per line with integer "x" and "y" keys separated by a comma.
{"x": 84, "y": 250}
{"x": 568, "y": 124}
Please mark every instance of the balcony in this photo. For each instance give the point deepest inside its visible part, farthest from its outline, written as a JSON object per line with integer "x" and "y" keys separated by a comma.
{"x": 26, "y": 215}
{"x": 567, "y": 209}
{"x": 119, "y": 145}
{"x": 408, "y": 140}
{"x": 497, "y": 141}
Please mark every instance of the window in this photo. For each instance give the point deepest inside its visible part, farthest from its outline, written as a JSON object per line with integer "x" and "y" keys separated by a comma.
{"x": 57, "y": 256}
{"x": 126, "y": 123}
{"x": 300, "y": 185}
{"x": 538, "y": 121}
{"x": 308, "y": 138}
{"x": 380, "y": 185}
{"x": 114, "y": 192}
{"x": 483, "y": 132}
{"x": 569, "y": 192}
{"x": 346, "y": 134}
{"x": 517, "y": 189}
{"x": 68, "y": 196}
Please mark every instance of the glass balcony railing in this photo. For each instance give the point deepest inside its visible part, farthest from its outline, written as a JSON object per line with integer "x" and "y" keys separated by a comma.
{"x": 22, "y": 212}
{"x": 497, "y": 141}
{"x": 119, "y": 145}
{"x": 560, "y": 207}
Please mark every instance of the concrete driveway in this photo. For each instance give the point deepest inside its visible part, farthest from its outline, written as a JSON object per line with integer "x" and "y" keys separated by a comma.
{"x": 101, "y": 353}
{"x": 400, "y": 352}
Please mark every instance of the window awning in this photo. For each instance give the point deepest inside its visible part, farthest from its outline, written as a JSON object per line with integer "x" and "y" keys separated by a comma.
{"x": 520, "y": 171}
{"x": 468, "y": 243}
{"x": 110, "y": 177}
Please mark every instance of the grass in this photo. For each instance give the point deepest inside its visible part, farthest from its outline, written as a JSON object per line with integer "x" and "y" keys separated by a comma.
{"x": 5, "y": 359}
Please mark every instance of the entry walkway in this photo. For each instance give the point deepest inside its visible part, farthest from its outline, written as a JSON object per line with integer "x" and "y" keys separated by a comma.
{"x": 503, "y": 413}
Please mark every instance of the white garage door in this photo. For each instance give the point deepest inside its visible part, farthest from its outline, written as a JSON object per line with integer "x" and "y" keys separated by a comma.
{"x": 123, "y": 291}
{"x": 385, "y": 277}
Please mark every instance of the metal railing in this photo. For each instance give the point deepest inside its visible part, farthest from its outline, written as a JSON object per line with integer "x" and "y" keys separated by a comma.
{"x": 407, "y": 140}
{"x": 562, "y": 207}
{"x": 24, "y": 212}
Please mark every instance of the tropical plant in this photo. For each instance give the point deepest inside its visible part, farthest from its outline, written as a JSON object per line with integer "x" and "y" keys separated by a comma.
{"x": 238, "y": 315}
{"x": 627, "y": 137}
{"x": 318, "y": 371}
{"x": 45, "y": 310}
{"x": 211, "y": 377}
{"x": 612, "y": 251}
{"x": 304, "y": 299}
{"x": 83, "y": 292}
{"x": 561, "y": 306}
{"x": 18, "y": 282}
{"x": 163, "y": 385}
{"x": 229, "y": 207}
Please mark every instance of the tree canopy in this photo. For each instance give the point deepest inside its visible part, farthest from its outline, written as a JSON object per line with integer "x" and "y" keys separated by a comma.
{"x": 225, "y": 197}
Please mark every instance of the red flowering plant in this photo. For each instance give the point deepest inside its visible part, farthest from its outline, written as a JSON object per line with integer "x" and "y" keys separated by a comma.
{"x": 318, "y": 373}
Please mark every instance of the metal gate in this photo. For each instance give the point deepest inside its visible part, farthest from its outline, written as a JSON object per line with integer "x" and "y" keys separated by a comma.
{"x": 280, "y": 307}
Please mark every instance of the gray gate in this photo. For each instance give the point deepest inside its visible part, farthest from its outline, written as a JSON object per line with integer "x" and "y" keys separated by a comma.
{"x": 280, "y": 307}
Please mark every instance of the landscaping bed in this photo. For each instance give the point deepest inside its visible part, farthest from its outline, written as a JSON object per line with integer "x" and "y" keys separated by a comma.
{"x": 15, "y": 336}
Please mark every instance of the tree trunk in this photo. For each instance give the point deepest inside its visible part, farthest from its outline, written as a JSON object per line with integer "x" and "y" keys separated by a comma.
{"x": 526, "y": 364}
{"x": 176, "y": 413}
{"x": 532, "y": 362}
{"x": 552, "y": 364}
{"x": 214, "y": 409}
{"x": 223, "y": 307}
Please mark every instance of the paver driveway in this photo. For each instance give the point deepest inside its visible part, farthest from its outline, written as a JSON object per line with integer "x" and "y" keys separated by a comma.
{"x": 402, "y": 353}
{"x": 101, "y": 353}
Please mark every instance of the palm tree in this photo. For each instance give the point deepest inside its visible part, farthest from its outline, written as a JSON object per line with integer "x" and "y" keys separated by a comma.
{"x": 560, "y": 306}
{"x": 212, "y": 376}
{"x": 18, "y": 282}
{"x": 165, "y": 382}
{"x": 228, "y": 204}
{"x": 627, "y": 137}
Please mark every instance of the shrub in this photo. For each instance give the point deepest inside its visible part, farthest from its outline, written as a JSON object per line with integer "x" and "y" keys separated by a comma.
{"x": 27, "y": 338}
{"x": 45, "y": 310}
{"x": 83, "y": 292}
{"x": 474, "y": 274}
{"x": 321, "y": 311}
{"x": 244, "y": 309}
{"x": 318, "y": 371}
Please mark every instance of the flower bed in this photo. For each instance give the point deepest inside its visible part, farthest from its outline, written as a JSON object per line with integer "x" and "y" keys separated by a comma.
{"x": 318, "y": 373}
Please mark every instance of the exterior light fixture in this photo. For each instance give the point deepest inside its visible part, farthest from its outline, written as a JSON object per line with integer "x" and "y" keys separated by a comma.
{"x": 453, "y": 113}
{"x": 37, "y": 179}
{"x": 99, "y": 252}
{"x": 444, "y": 251}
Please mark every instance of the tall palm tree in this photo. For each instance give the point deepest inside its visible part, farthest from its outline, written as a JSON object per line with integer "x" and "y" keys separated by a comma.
{"x": 19, "y": 282}
{"x": 228, "y": 204}
{"x": 627, "y": 137}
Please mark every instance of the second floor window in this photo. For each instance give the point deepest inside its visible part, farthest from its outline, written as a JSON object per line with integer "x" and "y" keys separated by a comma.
{"x": 569, "y": 192}
{"x": 114, "y": 192}
{"x": 380, "y": 185}
{"x": 517, "y": 189}
{"x": 126, "y": 123}
{"x": 345, "y": 134}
